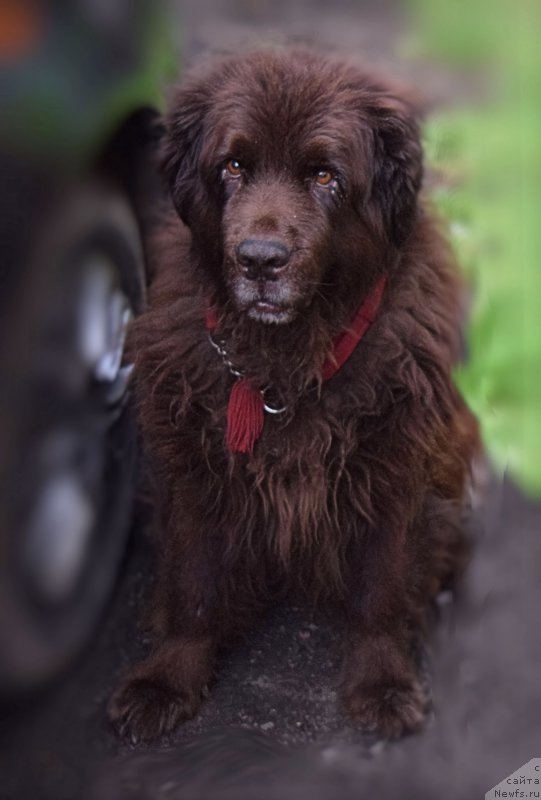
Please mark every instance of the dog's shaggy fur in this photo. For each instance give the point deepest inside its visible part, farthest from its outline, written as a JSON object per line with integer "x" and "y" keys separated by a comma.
{"x": 353, "y": 496}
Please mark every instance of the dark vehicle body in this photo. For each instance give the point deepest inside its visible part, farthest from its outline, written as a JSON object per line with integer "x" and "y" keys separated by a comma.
{"x": 80, "y": 83}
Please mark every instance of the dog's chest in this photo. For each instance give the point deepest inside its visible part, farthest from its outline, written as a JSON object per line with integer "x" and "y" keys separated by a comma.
{"x": 295, "y": 487}
{"x": 300, "y": 431}
{"x": 298, "y": 462}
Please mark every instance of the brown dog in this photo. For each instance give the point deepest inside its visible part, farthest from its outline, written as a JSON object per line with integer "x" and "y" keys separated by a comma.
{"x": 297, "y": 179}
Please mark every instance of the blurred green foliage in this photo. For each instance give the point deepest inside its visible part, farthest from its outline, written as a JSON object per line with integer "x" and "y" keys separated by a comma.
{"x": 488, "y": 155}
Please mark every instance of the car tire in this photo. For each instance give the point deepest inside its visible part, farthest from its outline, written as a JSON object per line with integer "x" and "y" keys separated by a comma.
{"x": 68, "y": 442}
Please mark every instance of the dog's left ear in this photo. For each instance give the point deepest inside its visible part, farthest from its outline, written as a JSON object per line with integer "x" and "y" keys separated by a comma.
{"x": 181, "y": 144}
{"x": 398, "y": 163}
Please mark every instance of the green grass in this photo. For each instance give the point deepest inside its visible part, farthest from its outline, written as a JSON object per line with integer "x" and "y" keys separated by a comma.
{"x": 490, "y": 155}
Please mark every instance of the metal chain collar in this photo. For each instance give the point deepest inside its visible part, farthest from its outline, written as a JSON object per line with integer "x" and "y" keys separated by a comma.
{"x": 220, "y": 348}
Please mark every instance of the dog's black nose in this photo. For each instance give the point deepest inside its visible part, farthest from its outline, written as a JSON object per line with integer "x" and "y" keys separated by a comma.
{"x": 262, "y": 257}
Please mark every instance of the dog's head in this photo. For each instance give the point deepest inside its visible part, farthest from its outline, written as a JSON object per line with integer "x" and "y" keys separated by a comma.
{"x": 296, "y": 174}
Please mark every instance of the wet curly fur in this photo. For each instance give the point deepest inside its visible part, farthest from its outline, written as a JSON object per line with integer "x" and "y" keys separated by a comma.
{"x": 353, "y": 497}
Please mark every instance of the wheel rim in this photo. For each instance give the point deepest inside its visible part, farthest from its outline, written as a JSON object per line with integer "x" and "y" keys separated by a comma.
{"x": 70, "y": 459}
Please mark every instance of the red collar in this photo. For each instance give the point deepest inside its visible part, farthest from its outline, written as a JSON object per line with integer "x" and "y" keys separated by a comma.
{"x": 246, "y": 407}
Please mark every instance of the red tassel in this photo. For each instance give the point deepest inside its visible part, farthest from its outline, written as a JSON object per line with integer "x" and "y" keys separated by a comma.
{"x": 245, "y": 417}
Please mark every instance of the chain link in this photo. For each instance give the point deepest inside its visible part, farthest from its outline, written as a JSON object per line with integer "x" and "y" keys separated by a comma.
{"x": 220, "y": 348}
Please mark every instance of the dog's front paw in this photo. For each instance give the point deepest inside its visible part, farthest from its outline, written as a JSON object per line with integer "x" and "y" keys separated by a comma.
{"x": 391, "y": 710}
{"x": 143, "y": 710}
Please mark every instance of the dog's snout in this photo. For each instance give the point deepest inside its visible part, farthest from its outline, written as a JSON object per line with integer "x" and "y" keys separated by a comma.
{"x": 262, "y": 257}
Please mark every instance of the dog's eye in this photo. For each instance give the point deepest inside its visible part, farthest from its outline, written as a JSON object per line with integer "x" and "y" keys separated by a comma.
{"x": 324, "y": 177}
{"x": 234, "y": 168}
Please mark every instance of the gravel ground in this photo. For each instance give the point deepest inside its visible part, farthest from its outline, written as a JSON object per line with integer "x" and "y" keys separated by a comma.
{"x": 271, "y": 728}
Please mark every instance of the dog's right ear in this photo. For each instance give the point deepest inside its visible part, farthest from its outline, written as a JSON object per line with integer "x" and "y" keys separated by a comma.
{"x": 398, "y": 163}
{"x": 181, "y": 144}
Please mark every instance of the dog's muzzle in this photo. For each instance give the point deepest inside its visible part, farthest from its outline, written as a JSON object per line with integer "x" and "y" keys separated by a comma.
{"x": 262, "y": 259}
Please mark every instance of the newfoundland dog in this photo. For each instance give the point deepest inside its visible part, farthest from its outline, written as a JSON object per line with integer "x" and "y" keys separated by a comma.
{"x": 293, "y": 376}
